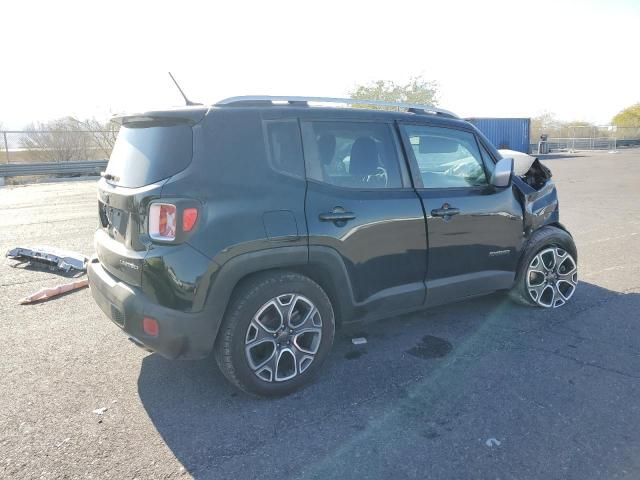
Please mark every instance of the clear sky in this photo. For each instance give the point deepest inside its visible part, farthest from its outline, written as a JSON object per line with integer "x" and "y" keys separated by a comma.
{"x": 578, "y": 59}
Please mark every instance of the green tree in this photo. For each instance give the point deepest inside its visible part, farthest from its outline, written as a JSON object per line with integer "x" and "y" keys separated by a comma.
{"x": 416, "y": 90}
{"x": 629, "y": 117}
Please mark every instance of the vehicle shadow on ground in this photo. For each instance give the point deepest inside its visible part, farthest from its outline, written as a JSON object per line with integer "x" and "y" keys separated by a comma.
{"x": 215, "y": 431}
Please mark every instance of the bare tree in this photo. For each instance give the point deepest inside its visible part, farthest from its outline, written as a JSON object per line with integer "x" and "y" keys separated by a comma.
{"x": 102, "y": 134}
{"x": 59, "y": 140}
{"x": 548, "y": 124}
{"x": 68, "y": 139}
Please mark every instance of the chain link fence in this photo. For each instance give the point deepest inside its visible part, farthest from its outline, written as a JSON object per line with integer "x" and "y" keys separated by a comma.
{"x": 29, "y": 146}
{"x": 586, "y": 143}
{"x": 607, "y": 137}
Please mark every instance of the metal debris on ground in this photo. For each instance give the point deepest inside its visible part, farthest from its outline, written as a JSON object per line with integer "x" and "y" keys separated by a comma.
{"x": 51, "y": 292}
{"x": 51, "y": 258}
{"x": 359, "y": 341}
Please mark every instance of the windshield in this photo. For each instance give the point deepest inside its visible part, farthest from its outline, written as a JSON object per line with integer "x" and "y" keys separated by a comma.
{"x": 146, "y": 153}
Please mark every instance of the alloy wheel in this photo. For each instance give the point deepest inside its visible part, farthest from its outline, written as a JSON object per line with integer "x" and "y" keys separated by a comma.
{"x": 552, "y": 277}
{"x": 283, "y": 338}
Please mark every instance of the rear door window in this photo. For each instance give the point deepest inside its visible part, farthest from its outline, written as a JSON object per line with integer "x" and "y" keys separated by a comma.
{"x": 351, "y": 154}
{"x": 147, "y": 153}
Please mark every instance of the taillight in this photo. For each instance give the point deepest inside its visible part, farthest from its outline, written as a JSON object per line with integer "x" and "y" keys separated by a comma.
{"x": 189, "y": 218}
{"x": 164, "y": 224}
{"x": 162, "y": 221}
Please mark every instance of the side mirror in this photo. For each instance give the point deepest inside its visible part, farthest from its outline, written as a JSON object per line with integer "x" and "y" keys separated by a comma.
{"x": 502, "y": 173}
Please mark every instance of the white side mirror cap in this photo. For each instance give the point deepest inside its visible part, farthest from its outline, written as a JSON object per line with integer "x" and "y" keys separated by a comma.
{"x": 502, "y": 172}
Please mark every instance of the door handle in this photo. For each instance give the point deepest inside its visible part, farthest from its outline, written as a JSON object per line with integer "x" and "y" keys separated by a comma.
{"x": 337, "y": 215}
{"x": 445, "y": 211}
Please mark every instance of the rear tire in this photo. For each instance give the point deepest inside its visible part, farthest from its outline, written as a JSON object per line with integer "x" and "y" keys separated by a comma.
{"x": 277, "y": 332}
{"x": 548, "y": 272}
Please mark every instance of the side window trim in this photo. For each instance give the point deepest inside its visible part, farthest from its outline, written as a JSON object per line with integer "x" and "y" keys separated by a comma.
{"x": 410, "y": 157}
{"x": 403, "y": 165}
{"x": 481, "y": 148}
{"x": 489, "y": 160}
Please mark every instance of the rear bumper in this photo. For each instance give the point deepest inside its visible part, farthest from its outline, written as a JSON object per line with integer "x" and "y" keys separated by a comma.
{"x": 182, "y": 335}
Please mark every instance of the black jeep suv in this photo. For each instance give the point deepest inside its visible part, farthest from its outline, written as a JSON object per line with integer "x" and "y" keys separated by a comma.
{"x": 254, "y": 227}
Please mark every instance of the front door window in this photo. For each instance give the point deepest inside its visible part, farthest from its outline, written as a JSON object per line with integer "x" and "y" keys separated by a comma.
{"x": 447, "y": 158}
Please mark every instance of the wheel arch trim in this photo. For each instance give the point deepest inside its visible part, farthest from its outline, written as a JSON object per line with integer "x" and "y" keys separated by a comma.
{"x": 321, "y": 264}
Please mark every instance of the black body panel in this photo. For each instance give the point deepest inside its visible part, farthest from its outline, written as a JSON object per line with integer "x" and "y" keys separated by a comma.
{"x": 183, "y": 335}
{"x": 394, "y": 256}
{"x": 239, "y": 191}
{"x": 477, "y": 250}
{"x": 540, "y": 206}
{"x": 384, "y": 248}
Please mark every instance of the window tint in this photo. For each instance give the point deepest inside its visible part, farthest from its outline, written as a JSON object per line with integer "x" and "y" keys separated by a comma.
{"x": 146, "y": 153}
{"x": 284, "y": 146}
{"x": 447, "y": 158}
{"x": 351, "y": 154}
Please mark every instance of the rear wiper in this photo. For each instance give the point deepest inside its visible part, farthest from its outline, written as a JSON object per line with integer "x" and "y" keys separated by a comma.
{"x": 108, "y": 176}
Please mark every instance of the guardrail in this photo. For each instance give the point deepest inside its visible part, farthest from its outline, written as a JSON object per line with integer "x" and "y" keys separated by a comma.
{"x": 51, "y": 168}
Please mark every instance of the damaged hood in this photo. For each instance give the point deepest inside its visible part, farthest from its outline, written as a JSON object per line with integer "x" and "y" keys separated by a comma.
{"x": 521, "y": 161}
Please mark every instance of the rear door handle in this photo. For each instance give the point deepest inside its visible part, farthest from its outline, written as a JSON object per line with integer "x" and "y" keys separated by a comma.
{"x": 338, "y": 214}
{"x": 445, "y": 211}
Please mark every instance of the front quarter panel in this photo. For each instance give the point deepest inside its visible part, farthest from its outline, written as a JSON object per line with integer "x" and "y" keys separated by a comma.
{"x": 540, "y": 207}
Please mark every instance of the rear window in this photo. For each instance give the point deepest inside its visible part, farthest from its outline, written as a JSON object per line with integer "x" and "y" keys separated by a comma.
{"x": 144, "y": 154}
{"x": 285, "y": 147}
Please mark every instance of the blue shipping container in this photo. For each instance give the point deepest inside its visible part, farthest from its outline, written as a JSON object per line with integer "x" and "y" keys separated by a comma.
{"x": 510, "y": 133}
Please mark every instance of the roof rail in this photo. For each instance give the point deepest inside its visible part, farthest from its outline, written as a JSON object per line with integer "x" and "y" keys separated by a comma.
{"x": 252, "y": 100}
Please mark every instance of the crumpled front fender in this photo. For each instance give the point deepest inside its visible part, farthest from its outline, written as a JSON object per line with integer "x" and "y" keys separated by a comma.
{"x": 540, "y": 207}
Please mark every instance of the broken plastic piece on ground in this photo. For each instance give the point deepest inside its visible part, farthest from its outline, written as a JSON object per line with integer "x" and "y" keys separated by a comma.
{"x": 100, "y": 411}
{"x": 51, "y": 292}
{"x": 51, "y": 257}
{"x": 359, "y": 341}
{"x": 492, "y": 442}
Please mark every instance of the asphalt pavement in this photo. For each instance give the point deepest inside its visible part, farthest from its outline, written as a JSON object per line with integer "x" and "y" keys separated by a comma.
{"x": 482, "y": 389}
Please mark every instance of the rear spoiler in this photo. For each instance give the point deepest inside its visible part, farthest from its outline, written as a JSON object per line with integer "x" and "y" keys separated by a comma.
{"x": 191, "y": 115}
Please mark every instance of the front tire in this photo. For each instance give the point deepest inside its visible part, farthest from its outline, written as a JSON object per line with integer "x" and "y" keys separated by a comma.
{"x": 276, "y": 334}
{"x": 548, "y": 272}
